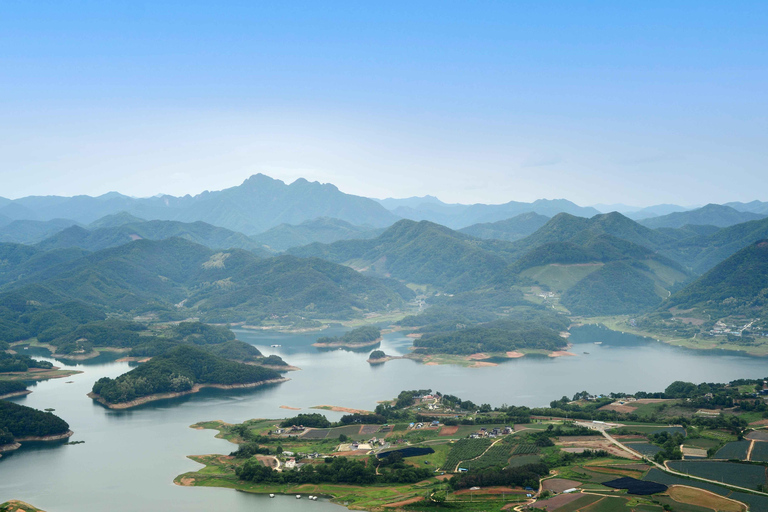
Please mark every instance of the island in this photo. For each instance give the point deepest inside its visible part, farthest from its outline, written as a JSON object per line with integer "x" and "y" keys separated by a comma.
{"x": 19, "y": 424}
{"x": 362, "y": 337}
{"x": 379, "y": 357}
{"x": 689, "y": 447}
{"x": 18, "y": 506}
{"x": 180, "y": 371}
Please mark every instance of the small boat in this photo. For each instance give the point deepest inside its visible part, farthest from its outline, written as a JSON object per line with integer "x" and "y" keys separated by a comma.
{"x": 313, "y": 498}
{"x": 271, "y": 495}
{"x": 598, "y": 343}
{"x": 298, "y": 496}
{"x": 275, "y": 346}
{"x": 586, "y": 352}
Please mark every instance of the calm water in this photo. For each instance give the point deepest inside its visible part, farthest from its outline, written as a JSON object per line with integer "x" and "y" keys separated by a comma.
{"x": 130, "y": 458}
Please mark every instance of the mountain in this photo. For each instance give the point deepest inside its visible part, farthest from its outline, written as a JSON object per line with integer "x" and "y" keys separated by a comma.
{"x": 656, "y": 211}
{"x": 199, "y": 232}
{"x": 711, "y": 215}
{"x": 115, "y": 220}
{"x": 18, "y": 261}
{"x": 420, "y": 252}
{"x": 512, "y": 229}
{"x": 564, "y": 227}
{"x": 177, "y": 278}
{"x": 256, "y": 205}
{"x": 457, "y": 216}
{"x": 32, "y": 231}
{"x": 760, "y": 207}
{"x": 737, "y": 285}
{"x": 324, "y": 230}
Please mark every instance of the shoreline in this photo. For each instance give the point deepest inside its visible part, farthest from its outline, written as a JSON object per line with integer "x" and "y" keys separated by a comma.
{"x": 15, "y": 393}
{"x": 17, "y": 441}
{"x": 39, "y": 374}
{"x": 341, "y": 344}
{"x": 164, "y": 396}
{"x": 384, "y": 359}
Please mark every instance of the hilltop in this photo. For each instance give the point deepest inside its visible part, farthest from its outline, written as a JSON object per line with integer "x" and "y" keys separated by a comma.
{"x": 711, "y": 214}
{"x": 107, "y": 236}
{"x": 510, "y": 230}
{"x": 324, "y": 230}
{"x": 420, "y": 252}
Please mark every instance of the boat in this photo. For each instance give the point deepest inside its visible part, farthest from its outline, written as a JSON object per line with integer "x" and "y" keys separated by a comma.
{"x": 298, "y": 496}
{"x": 271, "y": 495}
{"x": 586, "y": 352}
{"x": 598, "y": 343}
{"x": 275, "y": 346}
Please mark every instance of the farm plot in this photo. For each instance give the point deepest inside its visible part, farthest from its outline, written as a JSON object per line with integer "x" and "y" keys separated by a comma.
{"x": 497, "y": 455}
{"x": 522, "y": 460}
{"x": 465, "y": 449}
{"x": 525, "y": 449}
{"x": 316, "y": 433}
{"x": 647, "y": 449}
{"x": 567, "y": 502}
{"x": 754, "y": 501}
{"x": 759, "y": 451}
{"x": 656, "y": 475}
{"x": 698, "y": 497}
{"x": 559, "y": 484}
{"x": 734, "y": 450}
{"x": 744, "y": 475}
{"x": 758, "y": 435}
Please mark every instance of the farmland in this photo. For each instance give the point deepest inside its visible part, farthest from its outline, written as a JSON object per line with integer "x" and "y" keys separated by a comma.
{"x": 760, "y": 451}
{"x": 497, "y": 455}
{"x": 734, "y": 450}
{"x": 744, "y": 475}
{"x": 465, "y": 449}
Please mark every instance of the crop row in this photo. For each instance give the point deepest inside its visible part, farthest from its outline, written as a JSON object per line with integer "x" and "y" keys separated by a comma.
{"x": 497, "y": 455}
{"x": 525, "y": 449}
{"x": 465, "y": 449}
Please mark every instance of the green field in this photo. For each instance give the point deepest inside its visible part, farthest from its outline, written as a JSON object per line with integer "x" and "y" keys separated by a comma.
{"x": 734, "y": 450}
{"x": 465, "y": 449}
{"x": 760, "y": 451}
{"x": 560, "y": 277}
{"x": 497, "y": 455}
{"x": 743, "y": 475}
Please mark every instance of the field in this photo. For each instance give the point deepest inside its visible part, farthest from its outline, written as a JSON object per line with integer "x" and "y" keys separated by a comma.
{"x": 465, "y": 449}
{"x": 698, "y": 497}
{"x": 743, "y": 475}
{"x": 497, "y": 455}
{"x": 646, "y": 449}
{"x": 525, "y": 449}
{"x": 522, "y": 460}
{"x": 559, "y": 484}
{"x": 567, "y": 502}
{"x": 734, "y": 450}
{"x": 560, "y": 277}
{"x": 760, "y": 451}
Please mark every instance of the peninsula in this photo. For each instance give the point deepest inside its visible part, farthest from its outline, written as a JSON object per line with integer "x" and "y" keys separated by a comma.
{"x": 362, "y": 337}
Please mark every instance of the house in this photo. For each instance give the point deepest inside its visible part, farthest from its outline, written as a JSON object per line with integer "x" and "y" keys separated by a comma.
{"x": 287, "y": 454}
{"x": 435, "y": 423}
{"x": 290, "y": 463}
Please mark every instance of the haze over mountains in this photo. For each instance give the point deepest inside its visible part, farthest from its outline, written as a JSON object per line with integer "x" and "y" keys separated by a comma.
{"x": 213, "y": 254}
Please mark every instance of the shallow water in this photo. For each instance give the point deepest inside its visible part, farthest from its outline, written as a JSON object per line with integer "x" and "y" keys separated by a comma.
{"x": 129, "y": 458}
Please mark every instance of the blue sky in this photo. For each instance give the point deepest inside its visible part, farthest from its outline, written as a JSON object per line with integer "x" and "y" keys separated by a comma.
{"x": 598, "y": 102}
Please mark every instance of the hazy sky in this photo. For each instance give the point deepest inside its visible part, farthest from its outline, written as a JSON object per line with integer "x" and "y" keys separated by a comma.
{"x": 633, "y": 102}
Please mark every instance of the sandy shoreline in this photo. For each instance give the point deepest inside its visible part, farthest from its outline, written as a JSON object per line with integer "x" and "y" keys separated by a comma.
{"x": 15, "y": 393}
{"x": 341, "y": 344}
{"x": 196, "y": 388}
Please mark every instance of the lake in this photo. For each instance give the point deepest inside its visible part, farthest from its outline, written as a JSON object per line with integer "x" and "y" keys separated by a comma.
{"x": 129, "y": 458}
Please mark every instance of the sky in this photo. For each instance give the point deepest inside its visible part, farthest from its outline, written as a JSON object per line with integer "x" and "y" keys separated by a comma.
{"x": 598, "y": 102}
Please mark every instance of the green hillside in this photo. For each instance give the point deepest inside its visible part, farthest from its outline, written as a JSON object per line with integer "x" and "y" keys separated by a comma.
{"x": 19, "y": 421}
{"x": 112, "y": 236}
{"x": 510, "y": 230}
{"x": 422, "y": 253}
{"x": 324, "y": 230}
{"x": 177, "y": 278}
{"x": 177, "y": 371}
{"x": 711, "y": 215}
{"x": 737, "y": 285}
{"x": 615, "y": 288}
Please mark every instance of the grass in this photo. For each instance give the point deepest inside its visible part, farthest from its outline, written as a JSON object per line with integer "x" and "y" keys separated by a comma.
{"x": 560, "y": 277}
{"x": 698, "y": 497}
{"x": 15, "y": 505}
{"x": 436, "y": 460}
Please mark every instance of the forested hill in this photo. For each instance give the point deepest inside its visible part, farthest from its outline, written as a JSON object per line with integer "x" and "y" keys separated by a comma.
{"x": 512, "y": 229}
{"x": 423, "y": 253}
{"x": 711, "y": 214}
{"x": 112, "y": 236}
{"x": 177, "y": 371}
{"x": 737, "y": 285}
{"x": 18, "y": 421}
{"x": 256, "y": 205}
{"x": 565, "y": 228}
{"x": 324, "y": 230}
{"x": 182, "y": 279}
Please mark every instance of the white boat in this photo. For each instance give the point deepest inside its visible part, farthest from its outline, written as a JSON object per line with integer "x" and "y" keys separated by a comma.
{"x": 298, "y": 496}
{"x": 271, "y": 495}
{"x": 275, "y": 346}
